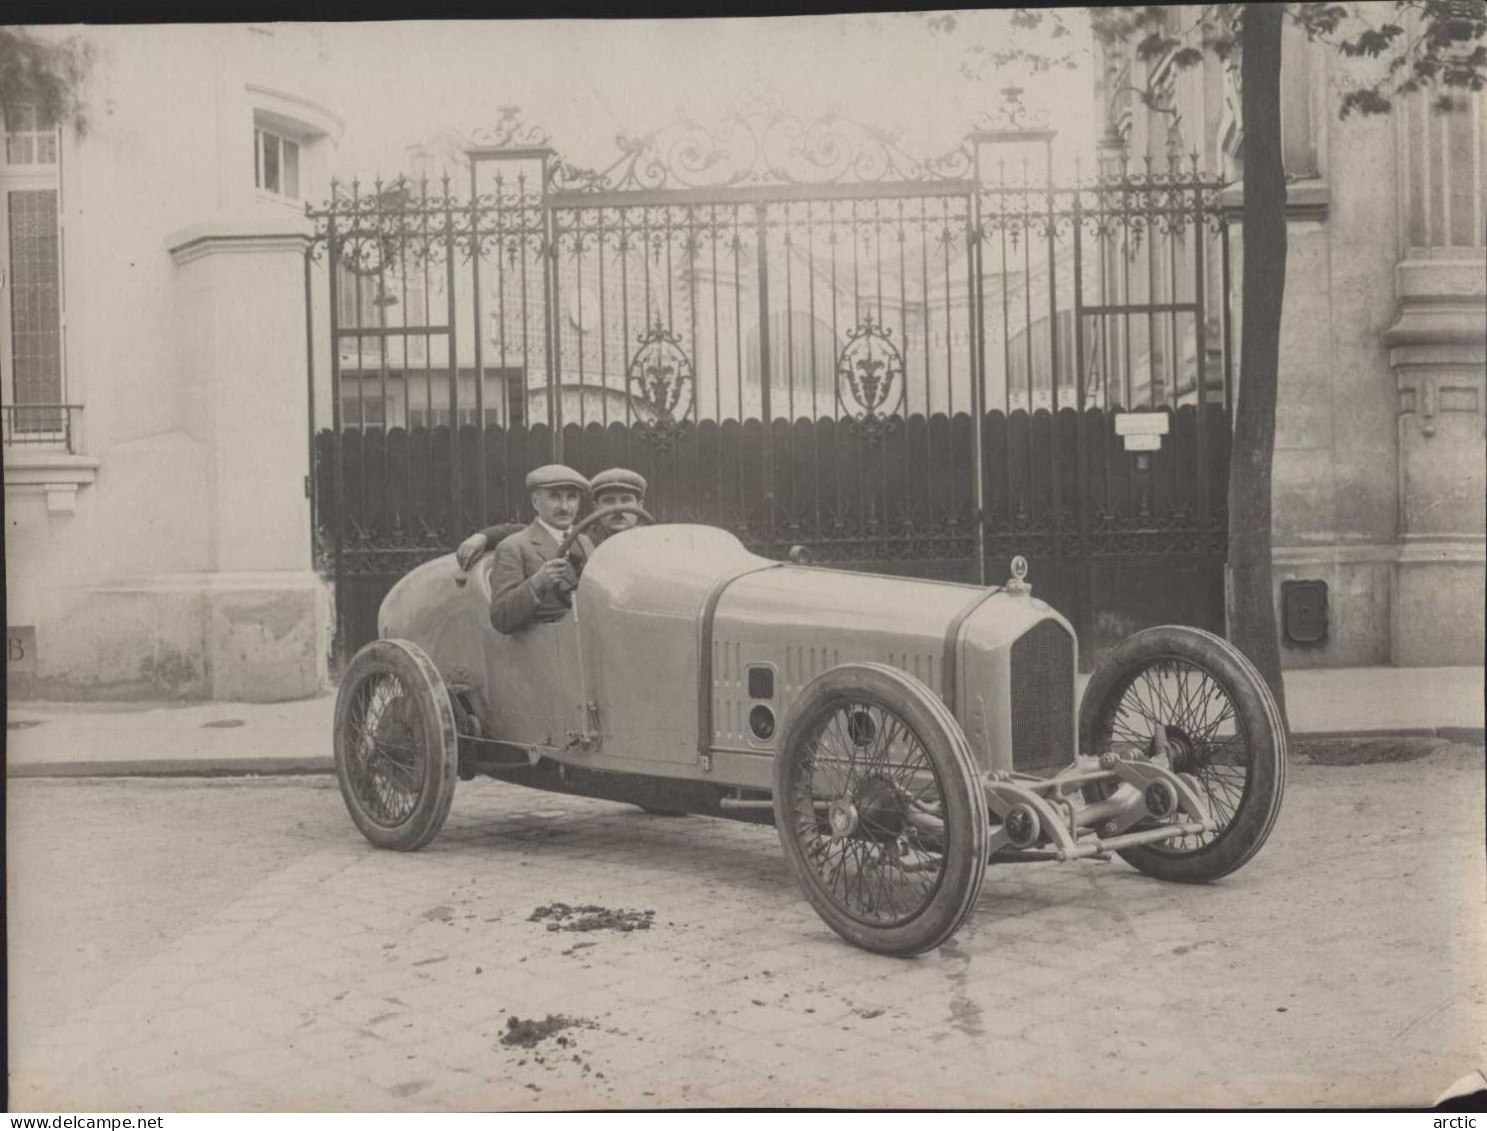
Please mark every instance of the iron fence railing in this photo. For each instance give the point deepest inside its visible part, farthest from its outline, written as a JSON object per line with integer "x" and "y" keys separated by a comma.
{"x": 42, "y": 425}
{"x": 796, "y": 331}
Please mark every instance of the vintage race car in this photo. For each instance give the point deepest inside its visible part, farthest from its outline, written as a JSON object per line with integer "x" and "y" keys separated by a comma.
{"x": 900, "y": 734}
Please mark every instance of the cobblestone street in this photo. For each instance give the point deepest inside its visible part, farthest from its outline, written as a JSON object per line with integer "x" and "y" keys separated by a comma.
{"x": 235, "y": 944}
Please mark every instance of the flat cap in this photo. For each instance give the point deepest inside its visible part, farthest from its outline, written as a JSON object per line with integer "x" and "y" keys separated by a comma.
{"x": 618, "y": 478}
{"x": 556, "y": 475}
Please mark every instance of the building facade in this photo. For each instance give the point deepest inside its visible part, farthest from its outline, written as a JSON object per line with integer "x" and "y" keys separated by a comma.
{"x": 159, "y": 323}
{"x": 157, "y": 525}
{"x": 1379, "y": 461}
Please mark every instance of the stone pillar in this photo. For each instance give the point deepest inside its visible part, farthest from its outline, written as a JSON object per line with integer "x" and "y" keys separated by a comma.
{"x": 1438, "y": 350}
{"x": 241, "y": 307}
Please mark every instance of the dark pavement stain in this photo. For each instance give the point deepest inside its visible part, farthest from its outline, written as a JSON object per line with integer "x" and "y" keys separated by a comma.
{"x": 1189, "y": 948}
{"x": 590, "y": 917}
{"x": 965, "y": 1014}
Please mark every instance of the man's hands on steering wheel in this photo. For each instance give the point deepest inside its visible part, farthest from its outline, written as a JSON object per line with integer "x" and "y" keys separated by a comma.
{"x": 556, "y": 575}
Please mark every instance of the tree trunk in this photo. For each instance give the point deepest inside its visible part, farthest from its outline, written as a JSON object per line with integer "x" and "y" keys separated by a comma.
{"x": 1252, "y": 622}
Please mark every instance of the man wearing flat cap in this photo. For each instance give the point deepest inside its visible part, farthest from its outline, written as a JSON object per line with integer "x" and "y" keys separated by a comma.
{"x": 616, "y": 486}
{"x": 619, "y": 486}
{"x": 529, "y": 582}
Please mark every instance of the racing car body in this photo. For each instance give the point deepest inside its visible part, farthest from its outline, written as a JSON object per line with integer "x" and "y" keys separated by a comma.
{"x": 685, "y": 650}
{"x": 899, "y": 733}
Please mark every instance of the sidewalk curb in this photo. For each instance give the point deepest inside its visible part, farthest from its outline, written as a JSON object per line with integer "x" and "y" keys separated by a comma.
{"x": 311, "y": 766}
{"x": 176, "y": 768}
{"x": 1471, "y": 736}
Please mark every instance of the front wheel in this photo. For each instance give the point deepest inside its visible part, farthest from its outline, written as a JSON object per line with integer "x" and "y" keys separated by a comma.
{"x": 397, "y": 749}
{"x": 1192, "y": 703}
{"x": 880, "y": 810}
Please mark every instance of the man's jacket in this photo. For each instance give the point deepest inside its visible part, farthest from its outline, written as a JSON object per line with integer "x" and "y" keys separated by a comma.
{"x": 514, "y": 602}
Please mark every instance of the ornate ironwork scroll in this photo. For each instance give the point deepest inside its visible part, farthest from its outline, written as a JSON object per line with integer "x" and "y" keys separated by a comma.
{"x": 509, "y": 131}
{"x": 761, "y": 142}
{"x": 661, "y": 379}
{"x": 870, "y": 379}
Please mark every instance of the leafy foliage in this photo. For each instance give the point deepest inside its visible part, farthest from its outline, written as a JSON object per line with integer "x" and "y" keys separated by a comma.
{"x": 1426, "y": 44}
{"x": 46, "y": 74}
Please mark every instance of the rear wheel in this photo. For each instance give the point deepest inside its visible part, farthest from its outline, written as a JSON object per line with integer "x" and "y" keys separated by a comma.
{"x": 397, "y": 750}
{"x": 880, "y": 809}
{"x": 1192, "y": 703}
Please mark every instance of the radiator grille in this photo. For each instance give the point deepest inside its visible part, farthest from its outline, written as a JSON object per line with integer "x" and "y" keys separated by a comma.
{"x": 1043, "y": 699}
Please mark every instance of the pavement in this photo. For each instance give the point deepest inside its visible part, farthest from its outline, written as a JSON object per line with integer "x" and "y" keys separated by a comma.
{"x": 209, "y": 739}
{"x": 233, "y": 944}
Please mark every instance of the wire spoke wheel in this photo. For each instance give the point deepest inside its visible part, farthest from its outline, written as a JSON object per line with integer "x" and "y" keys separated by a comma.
{"x": 386, "y": 766}
{"x": 1189, "y": 702}
{"x": 396, "y": 747}
{"x": 879, "y": 809}
{"x": 858, "y": 791}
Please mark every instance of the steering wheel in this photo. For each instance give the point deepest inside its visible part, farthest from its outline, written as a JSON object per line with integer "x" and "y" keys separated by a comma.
{"x": 604, "y": 512}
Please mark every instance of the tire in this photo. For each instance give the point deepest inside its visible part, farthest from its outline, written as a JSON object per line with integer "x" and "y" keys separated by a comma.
{"x": 885, "y": 749}
{"x": 397, "y": 749}
{"x": 1240, "y": 768}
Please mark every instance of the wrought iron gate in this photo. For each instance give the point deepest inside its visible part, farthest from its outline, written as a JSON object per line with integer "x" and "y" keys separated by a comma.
{"x": 796, "y": 331}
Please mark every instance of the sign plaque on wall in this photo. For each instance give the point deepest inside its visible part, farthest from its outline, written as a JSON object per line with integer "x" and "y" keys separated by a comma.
{"x": 20, "y": 658}
{"x": 1141, "y": 431}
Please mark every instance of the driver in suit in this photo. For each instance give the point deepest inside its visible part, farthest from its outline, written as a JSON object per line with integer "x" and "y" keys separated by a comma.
{"x": 529, "y": 582}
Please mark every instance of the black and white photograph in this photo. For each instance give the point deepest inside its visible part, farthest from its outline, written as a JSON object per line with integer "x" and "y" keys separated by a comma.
{"x": 846, "y": 561}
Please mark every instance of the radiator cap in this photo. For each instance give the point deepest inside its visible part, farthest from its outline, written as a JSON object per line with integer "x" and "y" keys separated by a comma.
{"x": 1018, "y": 584}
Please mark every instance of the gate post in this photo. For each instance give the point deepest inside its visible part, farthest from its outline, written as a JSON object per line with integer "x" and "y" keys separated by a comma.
{"x": 265, "y": 614}
{"x": 550, "y": 329}
{"x": 766, "y": 410}
{"x": 976, "y": 293}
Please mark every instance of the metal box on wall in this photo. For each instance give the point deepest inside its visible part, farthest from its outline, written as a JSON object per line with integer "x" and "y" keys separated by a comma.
{"x": 1304, "y": 612}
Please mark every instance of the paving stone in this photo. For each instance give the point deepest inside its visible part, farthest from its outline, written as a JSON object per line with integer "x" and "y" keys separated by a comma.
{"x": 346, "y": 980}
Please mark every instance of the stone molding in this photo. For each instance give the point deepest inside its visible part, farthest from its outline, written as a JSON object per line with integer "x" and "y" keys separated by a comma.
{"x": 239, "y": 234}
{"x": 302, "y": 115}
{"x": 56, "y": 474}
{"x": 1305, "y": 200}
{"x": 1438, "y": 343}
{"x": 1410, "y": 550}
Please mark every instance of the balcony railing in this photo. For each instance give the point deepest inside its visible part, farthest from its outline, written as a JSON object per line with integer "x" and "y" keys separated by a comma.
{"x": 42, "y": 425}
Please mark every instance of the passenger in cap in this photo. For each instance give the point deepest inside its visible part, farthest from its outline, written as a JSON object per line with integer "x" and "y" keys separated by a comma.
{"x": 616, "y": 487}
{"x": 529, "y": 583}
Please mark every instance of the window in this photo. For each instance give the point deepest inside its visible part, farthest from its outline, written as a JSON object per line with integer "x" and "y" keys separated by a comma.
{"x": 31, "y": 312}
{"x": 357, "y": 298}
{"x": 516, "y": 398}
{"x": 30, "y": 138}
{"x": 35, "y": 304}
{"x": 275, "y": 163}
{"x": 419, "y": 417}
{"x": 363, "y": 410}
